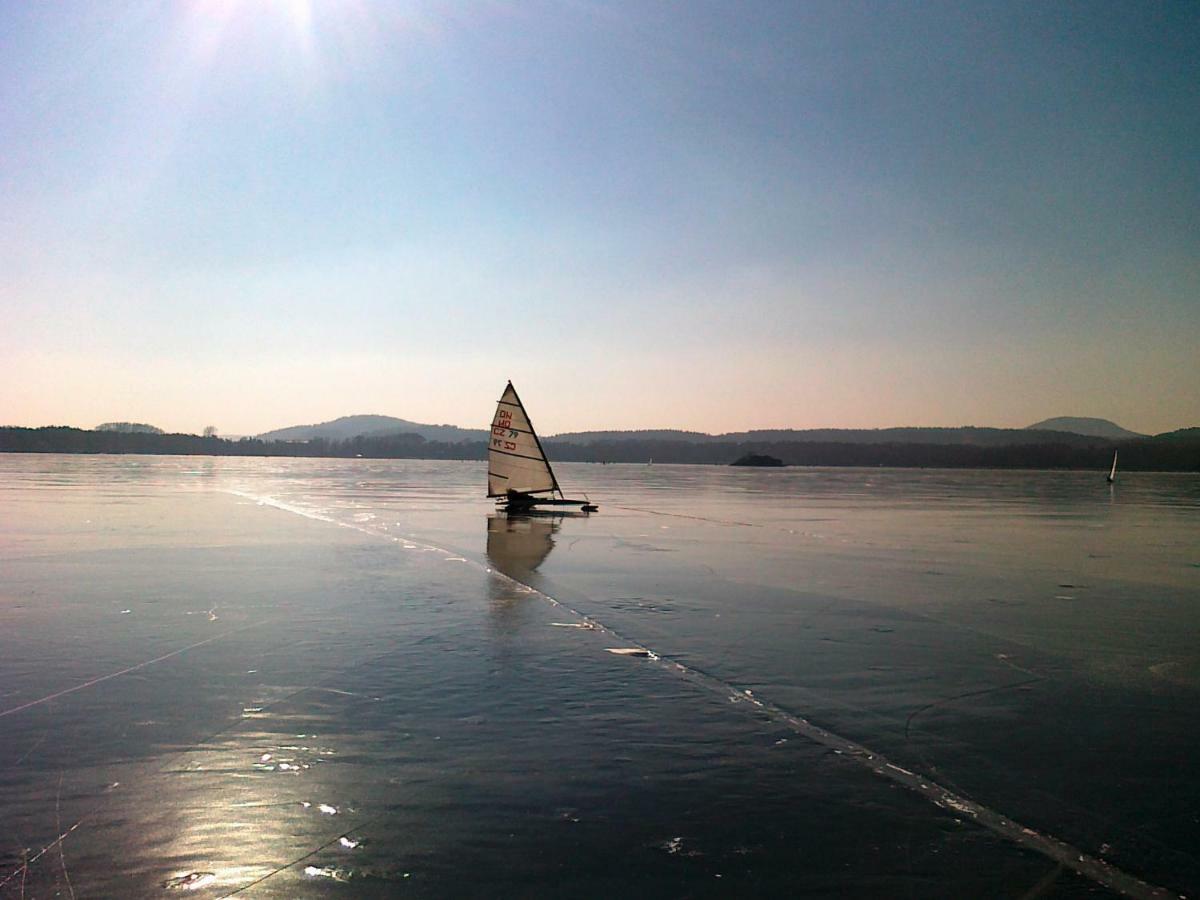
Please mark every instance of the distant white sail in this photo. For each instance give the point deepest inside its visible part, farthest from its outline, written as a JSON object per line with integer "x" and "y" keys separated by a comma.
{"x": 1112, "y": 476}
{"x": 516, "y": 461}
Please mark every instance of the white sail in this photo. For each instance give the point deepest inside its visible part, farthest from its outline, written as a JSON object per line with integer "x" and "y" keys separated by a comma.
{"x": 1112, "y": 476}
{"x": 516, "y": 461}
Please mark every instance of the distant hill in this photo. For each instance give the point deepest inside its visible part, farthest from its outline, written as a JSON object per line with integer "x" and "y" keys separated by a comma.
{"x": 967, "y": 435}
{"x": 353, "y": 426}
{"x": 129, "y": 428}
{"x": 988, "y": 448}
{"x": 656, "y": 434}
{"x": 1101, "y": 428}
{"x": 1180, "y": 434}
{"x": 1070, "y": 431}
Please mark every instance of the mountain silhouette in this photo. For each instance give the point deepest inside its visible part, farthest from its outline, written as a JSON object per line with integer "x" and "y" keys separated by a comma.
{"x": 1101, "y": 428}
{"x": 353, "y": 426}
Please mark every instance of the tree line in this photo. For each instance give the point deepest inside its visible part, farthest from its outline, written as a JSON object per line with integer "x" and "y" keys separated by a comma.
{"x": 1166, "y": 453}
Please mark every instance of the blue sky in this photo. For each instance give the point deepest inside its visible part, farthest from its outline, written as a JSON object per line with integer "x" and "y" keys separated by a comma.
{"x": 257, "y": 213}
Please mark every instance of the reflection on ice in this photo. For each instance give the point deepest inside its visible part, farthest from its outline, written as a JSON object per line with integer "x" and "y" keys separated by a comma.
{"x": 517, "y": 545}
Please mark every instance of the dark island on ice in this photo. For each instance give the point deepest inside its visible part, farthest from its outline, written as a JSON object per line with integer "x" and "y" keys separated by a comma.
{"x": 758, "y": 459}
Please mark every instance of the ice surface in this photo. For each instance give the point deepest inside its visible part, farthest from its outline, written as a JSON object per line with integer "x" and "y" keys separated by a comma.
{"x": 445, "y": 721}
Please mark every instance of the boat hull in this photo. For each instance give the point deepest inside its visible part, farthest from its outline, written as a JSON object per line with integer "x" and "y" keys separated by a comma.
{"x": 516, "y": 502}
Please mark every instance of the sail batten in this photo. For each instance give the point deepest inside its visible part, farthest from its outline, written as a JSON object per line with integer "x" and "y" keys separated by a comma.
{"x": 516, "y": 461}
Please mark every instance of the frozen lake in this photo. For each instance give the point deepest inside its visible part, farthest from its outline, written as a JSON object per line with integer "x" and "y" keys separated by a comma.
{"x": 302, "y": 676}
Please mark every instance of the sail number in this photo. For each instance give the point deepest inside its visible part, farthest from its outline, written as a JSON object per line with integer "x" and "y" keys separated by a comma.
{"x": 502, "y": 428}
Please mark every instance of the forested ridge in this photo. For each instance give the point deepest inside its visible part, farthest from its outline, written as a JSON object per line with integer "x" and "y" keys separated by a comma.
{"x": 1175, "y": 451}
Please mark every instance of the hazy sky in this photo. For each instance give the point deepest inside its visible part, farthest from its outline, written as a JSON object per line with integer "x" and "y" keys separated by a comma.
{"x": 719, "y": 216}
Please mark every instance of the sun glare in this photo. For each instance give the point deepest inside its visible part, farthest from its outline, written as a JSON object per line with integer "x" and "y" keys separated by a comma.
{"x": 299, "y": 14}
{"x": 294, "y": 15}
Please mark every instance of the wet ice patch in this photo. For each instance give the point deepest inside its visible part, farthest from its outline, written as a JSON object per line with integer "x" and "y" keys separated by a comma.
{"x": 640, "y": 652}
{"x": 190, "y": 881}
{"x": 326, "y": 872}
{"x": 675, "y": 846}
{"x": 957, "y": 805}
